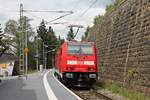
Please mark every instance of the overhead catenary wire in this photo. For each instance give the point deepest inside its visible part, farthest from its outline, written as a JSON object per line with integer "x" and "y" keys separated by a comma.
{"x": 68, "y": 13}
{"x": 58, "y": 18}
{"x": 48, "y": 11}
{"x": 85, "y": 11}
{"x": 33, "y": 15}
{"x": 47, "y": 22}
{"x": 91, "y": 5}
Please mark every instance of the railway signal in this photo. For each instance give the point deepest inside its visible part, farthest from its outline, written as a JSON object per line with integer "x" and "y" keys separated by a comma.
{"x": 26, "y": 50}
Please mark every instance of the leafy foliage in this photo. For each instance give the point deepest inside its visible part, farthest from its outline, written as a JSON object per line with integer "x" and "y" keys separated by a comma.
{"x": 70, "y": 34}
{"x": 113, "y": 6}
{"x": 1, "y": 46}
{"x": 31, "y": 55}
{"x": 60, "y": 41}
{"x": 42, "y": 31}
{"x": 19, "y": 29}
{"x": 50, "y": 41}
{"x": 11, "y": 27}
{"x": 85, "y": 36}
{"x": 0, "y": 29}
{"x": 98, "y": 19}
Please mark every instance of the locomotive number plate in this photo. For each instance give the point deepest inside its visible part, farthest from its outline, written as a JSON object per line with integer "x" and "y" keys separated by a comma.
{"x": 80, "y": 62}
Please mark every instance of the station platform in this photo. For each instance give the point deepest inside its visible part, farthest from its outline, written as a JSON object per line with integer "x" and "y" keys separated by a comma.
{"x": 59, "y": 90}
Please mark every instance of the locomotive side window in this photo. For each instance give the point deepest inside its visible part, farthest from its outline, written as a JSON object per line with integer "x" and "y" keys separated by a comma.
{"x": 83, "y": 49}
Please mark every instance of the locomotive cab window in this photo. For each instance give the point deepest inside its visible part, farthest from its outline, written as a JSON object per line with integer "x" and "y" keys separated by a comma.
{"x": 87, "y": 49}
{"x": 73, "y": 49}
{"x": 80, "y": 49}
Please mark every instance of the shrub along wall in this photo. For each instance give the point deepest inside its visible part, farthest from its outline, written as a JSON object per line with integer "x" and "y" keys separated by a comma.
{"x": 123, "y": 45}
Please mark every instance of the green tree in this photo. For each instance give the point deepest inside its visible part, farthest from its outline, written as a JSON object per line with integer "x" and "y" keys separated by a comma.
{"x": 42, "y": 31}
{"x": 85, "y": 36}
{"x": 42, "y": 34}
{"x": 0, "y": 29}
{"x": 51, "y": 40}
{"x": 60, "y": 40}
{"x": 70, "y": 34}
{"x": 11, "y": 27}
{"x": 51, "y": 43}
{"x": 114, "y": 5}
{"x": 23, "y": 29}
{"x": 98, "y": 19}
{"x": 87, "y": 32}
{"x": 31, "y": 55}
{"x": 1, "y": 44}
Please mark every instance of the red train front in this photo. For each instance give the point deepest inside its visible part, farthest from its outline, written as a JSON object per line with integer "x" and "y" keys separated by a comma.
{"x": 76, "y": 63}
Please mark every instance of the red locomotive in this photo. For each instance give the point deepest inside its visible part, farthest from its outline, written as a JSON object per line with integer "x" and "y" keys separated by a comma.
{"x": 76, "y": 63}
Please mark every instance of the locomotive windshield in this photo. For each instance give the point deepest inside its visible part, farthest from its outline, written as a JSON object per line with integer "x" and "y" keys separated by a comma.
{"x": 80, "y": 49}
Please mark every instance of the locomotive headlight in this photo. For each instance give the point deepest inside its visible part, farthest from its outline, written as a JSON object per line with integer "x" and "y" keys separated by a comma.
{"x": 70, "y": 68}
{"x": 92, "y": 75}
{"x": 91, "y": 69}
{"x": 69, "y": 75}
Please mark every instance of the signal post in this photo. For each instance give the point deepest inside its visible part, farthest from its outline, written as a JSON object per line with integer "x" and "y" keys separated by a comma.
{"x": 26, "y": 50}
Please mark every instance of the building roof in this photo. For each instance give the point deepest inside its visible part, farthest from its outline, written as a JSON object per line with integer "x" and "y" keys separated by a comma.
{"x": 7, "y": 57}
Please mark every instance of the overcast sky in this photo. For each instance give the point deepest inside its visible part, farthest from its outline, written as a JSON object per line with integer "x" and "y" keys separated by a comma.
{"x": 9, "y": 10}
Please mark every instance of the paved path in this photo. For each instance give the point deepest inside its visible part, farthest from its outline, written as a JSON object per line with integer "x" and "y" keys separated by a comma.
{"x": 39, "y": 86}
{"x": 21, "y": 89}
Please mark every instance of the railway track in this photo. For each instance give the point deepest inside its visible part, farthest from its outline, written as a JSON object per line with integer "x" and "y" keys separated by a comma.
{"x": 90, "y": 94}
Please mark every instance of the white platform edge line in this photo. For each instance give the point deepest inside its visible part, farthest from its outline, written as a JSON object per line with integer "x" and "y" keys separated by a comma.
{"x": 50, "y": 94}
{"x": 67, "y": 88}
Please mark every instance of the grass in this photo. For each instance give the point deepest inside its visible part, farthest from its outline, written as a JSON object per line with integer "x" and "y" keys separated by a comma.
{"x": 130, "y": 94}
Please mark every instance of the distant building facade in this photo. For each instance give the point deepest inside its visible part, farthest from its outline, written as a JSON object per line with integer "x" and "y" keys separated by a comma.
{"x": 7, "y": 63}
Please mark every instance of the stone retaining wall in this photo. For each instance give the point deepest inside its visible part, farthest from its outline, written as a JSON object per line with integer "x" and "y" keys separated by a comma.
{"x": 123, "y": 45}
